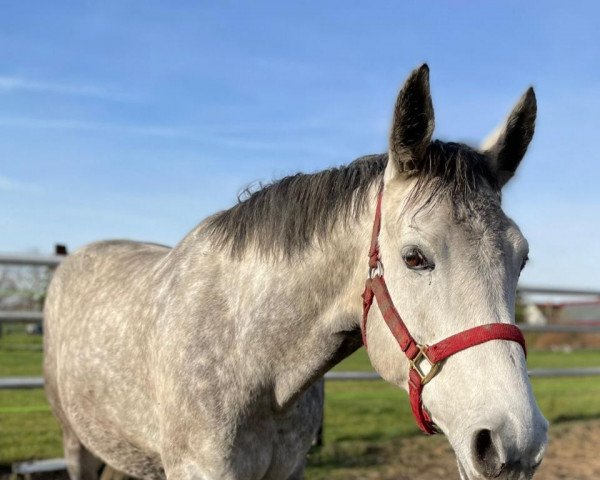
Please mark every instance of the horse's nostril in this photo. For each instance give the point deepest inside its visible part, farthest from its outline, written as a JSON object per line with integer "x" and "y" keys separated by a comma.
{"x": 486, "y": 456}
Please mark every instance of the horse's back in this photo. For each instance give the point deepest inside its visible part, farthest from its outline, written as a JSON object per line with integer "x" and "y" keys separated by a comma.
{"x": 95, "y": 279}
{"x": 99, "y": 324}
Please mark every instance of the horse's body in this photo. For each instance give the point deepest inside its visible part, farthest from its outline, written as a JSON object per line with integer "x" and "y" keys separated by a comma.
{"x": 203, "y": 361}
{"x": 137, "y": 369}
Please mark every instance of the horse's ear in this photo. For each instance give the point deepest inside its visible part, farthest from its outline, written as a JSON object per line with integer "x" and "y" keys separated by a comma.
{"x": 507, "y": 146}
{"x": 413, "y": 122}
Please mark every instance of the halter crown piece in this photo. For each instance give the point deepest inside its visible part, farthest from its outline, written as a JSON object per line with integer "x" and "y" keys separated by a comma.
{"x": 416, "y": 353}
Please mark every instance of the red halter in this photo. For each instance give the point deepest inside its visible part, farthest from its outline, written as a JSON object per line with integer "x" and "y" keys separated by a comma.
{"x": 434, "y": 354}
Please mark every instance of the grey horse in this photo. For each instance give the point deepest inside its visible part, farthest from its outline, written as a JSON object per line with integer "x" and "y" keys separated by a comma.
{"x": 202, "y": 361}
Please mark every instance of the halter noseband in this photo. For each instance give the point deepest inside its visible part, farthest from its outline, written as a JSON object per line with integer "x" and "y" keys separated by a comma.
{"x": 434, "y": 354}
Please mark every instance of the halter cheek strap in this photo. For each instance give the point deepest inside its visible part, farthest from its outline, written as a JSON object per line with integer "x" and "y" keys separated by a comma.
{"x": 416, "y": 353}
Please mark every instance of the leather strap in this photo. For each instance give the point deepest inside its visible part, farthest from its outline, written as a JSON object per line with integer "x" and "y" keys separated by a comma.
{"x": 374, "y": 249}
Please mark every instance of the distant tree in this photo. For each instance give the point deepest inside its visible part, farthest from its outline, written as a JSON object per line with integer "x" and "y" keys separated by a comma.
{"x": 23, "y": 287}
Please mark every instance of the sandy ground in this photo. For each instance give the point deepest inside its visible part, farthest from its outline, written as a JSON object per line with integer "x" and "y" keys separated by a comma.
{"x": 573, "y": 454}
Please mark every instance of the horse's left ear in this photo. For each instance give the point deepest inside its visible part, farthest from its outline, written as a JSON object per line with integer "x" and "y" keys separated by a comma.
{"x": 506, "y": 147}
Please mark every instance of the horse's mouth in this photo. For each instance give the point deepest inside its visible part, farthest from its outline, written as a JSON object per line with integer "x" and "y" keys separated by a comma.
{"x": 465, "y": 476}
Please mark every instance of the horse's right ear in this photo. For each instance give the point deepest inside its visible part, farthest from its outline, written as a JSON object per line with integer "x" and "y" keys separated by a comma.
{"x": 413, "y": 123}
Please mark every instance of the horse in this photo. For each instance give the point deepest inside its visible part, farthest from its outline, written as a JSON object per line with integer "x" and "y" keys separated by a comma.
{"x": 204, "y": 361}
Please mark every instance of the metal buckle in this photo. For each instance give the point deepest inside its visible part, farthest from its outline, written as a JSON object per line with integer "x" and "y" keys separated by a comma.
{"x": 414, "y": 364}
{"x": 378, "y": 270}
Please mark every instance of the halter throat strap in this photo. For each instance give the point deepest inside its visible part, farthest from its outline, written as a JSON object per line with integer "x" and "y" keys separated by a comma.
{"x": 376, "y": 289}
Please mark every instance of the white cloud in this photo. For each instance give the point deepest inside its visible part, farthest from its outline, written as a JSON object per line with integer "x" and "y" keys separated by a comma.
{"x": 9, "y": 84}
{"x": 67, "y": 124}
{"x": 11, "y": 185}
{"x": 212, "y": 136}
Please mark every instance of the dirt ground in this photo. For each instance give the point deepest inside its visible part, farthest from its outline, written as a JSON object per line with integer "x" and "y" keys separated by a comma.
{"x": 573, "y": 454}
{"x": 545, "y": 341}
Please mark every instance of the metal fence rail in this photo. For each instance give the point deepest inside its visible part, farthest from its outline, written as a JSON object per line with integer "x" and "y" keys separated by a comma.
{"x": 534, "y": 373}
{"x": 19, "y": 316}
{"x": 39, "y": 466}
{"x": 559, "y": 328}
{"x": 23, "y": 383}
{"x": 526, "y": 290}
{"x": 31, "y": 260}
{"x": 33, "y": 317}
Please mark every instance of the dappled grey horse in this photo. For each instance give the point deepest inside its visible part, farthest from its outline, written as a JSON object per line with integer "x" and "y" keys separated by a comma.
{"x": 202, "y": 361}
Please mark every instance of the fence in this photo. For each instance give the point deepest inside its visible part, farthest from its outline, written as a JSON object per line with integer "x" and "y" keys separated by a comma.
{"x": 53, "y": 261}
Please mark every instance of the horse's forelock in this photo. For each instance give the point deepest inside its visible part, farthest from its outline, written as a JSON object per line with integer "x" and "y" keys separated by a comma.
{"x": 456, "y": 172}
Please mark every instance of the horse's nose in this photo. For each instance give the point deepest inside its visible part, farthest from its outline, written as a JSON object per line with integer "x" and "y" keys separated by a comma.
{"x": 488, "y": 456}
{"x": 496, "y": 455}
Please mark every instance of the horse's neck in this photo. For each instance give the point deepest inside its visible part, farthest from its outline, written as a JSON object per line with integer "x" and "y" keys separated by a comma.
{"x": 304, "y": 313}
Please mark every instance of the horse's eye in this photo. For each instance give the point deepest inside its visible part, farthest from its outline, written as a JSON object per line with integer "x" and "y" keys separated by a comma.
{"x": 415, "y": 260}
{"x": 525, "y": 260}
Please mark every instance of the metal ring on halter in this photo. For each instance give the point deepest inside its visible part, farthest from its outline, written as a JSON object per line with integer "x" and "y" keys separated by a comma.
{"x": 378, "y": 270}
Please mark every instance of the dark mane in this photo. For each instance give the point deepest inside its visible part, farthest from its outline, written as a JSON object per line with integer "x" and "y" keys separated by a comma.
{"x": 287, "y": 215}
{"x": 290, "y": 214}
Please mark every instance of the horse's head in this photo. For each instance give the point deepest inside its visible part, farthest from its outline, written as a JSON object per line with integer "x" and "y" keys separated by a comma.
{"x": 452, "y": 261}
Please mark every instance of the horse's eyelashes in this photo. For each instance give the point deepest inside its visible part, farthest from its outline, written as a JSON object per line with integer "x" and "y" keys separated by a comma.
{"x": 416, "y": 260}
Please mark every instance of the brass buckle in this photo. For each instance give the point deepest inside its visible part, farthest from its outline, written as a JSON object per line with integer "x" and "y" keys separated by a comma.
{"x": 414, "y": 364}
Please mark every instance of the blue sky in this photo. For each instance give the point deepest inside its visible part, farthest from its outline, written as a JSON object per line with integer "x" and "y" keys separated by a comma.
{"x": 138, "y": 119}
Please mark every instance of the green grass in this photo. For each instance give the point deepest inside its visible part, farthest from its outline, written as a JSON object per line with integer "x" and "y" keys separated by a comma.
{"x": 576, "y": 358}
{"x": 27, "y": 428}
{"x": 361, "y": 417}
{"x": 17, "y": 359}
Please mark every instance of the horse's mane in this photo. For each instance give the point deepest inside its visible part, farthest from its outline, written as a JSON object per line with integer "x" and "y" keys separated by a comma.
{"x": 288, "y": 215}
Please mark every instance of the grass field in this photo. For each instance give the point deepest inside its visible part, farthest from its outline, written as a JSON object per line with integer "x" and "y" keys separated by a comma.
{"x": 361, "y": 417}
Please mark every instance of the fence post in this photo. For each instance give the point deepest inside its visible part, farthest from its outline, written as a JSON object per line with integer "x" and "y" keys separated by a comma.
{"x": 59, "y": 249}
{"x": 319, "y": 438}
